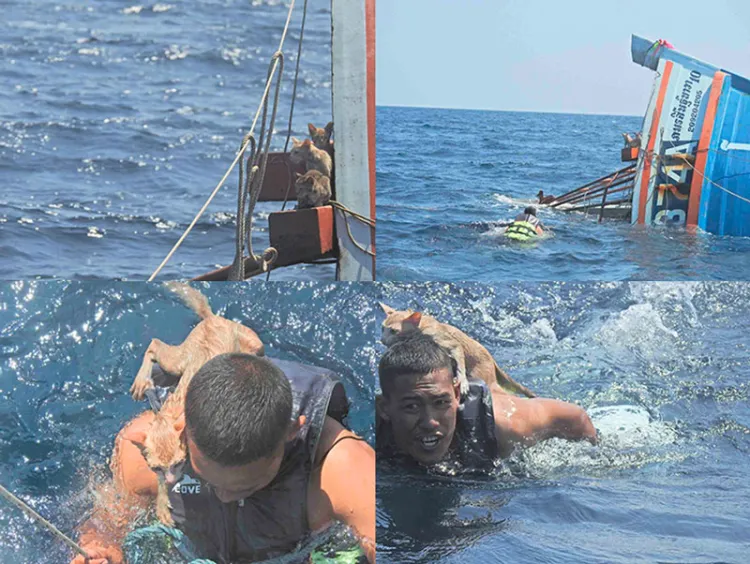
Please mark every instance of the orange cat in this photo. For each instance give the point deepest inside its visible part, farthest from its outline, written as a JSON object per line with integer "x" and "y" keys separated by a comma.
{"x": 162, "y": 444}
{"x": 471, "y": 357}
{"x": 321, "y": 137}
{"x": 314, "y": 158}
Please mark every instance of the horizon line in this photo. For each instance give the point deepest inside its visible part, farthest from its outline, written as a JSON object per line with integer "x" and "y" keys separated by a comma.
{"x": 506, "y": 111}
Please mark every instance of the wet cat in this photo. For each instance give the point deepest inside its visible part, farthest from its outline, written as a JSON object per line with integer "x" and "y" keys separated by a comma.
{"x": 470, "y": 356}
{"x": 163, "y": 444}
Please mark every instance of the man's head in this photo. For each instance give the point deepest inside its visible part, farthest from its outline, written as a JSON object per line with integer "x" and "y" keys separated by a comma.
{"x": 238, "y": 417}
{"x": 531, "y": 210}
{"x": 420, "y": 397}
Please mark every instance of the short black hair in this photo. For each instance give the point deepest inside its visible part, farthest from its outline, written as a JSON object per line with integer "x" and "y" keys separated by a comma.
{"x": 238, "y": 408}
{"x": 530, "y": 210}
{"x": 416, "y": 353}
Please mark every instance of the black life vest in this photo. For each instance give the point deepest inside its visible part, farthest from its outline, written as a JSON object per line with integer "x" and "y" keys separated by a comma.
{"x": 474, "y": 443}
{"x": 273, "y": 521}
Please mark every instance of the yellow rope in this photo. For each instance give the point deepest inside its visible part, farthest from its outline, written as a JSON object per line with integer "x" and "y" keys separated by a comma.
{"x": 236, "y": 158}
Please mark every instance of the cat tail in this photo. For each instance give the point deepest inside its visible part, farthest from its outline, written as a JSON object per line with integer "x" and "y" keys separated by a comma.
{"x": 192, "y": 298}
{"x": 510, "y": 385}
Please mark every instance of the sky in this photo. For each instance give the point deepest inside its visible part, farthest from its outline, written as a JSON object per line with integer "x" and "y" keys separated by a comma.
{"x": 570, "y": 56}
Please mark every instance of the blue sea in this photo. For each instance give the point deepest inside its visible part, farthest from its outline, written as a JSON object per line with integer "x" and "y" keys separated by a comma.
{"x": 117, "y": 120}
{"x": 663, "y": 371}
{"x": 447, "y": 179}
{"x": 70, "y": 350}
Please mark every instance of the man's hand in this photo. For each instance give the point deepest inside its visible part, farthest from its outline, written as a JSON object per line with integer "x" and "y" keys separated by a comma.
{"x": 99, "y": 554}
{"x": 118, "y": 501}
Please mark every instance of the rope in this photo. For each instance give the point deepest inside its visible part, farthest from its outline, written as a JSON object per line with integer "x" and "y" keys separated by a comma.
{"x": 291, "y": 113}
{"x": 366, "y": 220}
{"x": 258, "y": 180}
{"x": 39, "y": 519}
{"x": 296, "y": 74}
{"x": 720, "y": 187}
{"x": 655, "y": 158}
{"x": 238, "y": 266}
{"x": 239, "y": 155}
{"x": 254, "y": 185}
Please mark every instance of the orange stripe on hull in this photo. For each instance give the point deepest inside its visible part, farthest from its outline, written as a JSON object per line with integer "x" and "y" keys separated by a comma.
{"x": 646, "y": 175}
{"x": 696, "y": 184}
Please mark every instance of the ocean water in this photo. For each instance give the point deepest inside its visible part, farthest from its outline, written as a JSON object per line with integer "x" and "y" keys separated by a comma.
{"x": 447, "y": 179}
{"x": 663, "y": 371}
{"x": 117, "y": 120}
{"x": 70, "y": 350}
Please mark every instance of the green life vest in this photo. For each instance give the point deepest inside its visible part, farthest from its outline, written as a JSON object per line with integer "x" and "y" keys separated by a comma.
{"x": 521, "y": 231}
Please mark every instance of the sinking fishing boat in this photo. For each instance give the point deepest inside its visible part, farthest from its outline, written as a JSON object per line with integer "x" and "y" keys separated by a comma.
{"x": 344, "y": 231}
{"x": 693, "y": 156}
{"x": 694, "y": 163}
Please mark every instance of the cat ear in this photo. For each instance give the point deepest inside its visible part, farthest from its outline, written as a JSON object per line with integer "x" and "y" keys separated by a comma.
{"x": 312, "y": 128}
{"x": 329, "y": 129}
{"x": 135, "y": 436}
{"x": 414, "y": 319}
{"x": 296, "y": 142}
{"x": 387, "y": 309}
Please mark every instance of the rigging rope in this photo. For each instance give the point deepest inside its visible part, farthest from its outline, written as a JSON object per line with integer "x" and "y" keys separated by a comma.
{"x": 366, "y": 220}
{"x": 12, "y": 498}
{"x": 258, "y": 162}
{"x": 240, "y": 153}
{"x": 291, "y": 112}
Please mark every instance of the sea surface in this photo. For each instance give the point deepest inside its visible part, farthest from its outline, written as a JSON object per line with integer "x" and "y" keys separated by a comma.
{"x": 448, "y": 179}
{"x": 70, "y": 350}
{"x": 117, "y": 120}
{"x": 662, "y": 369}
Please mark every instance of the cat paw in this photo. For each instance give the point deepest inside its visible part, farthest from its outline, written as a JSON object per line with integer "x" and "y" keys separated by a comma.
{"x": 464, "y": 384}
{"x": 139, "y": 387}
{"x": 164, "y": 514}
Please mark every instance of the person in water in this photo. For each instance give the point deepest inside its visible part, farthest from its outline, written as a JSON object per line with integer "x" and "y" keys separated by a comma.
{"x": 421, "y": 415}
{"x": 268, "y": 464}
{"x": 525, "y": 226}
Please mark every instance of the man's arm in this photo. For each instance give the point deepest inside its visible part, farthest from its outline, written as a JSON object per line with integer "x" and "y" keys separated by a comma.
{"x": 525, "y": 422}
{"x": 343, "y": 485}
{"x": 119, "y": 501}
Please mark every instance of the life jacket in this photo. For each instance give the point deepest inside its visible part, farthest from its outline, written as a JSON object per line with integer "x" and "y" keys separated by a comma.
{"x": 474, "y": 443}
{"x": 272, "y": 521}
{"x": 523, "y": 227}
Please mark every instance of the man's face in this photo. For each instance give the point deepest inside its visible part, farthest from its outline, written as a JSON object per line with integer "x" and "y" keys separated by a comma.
{"x": 422, "y": 411}
{"x": 232, "y": 483}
